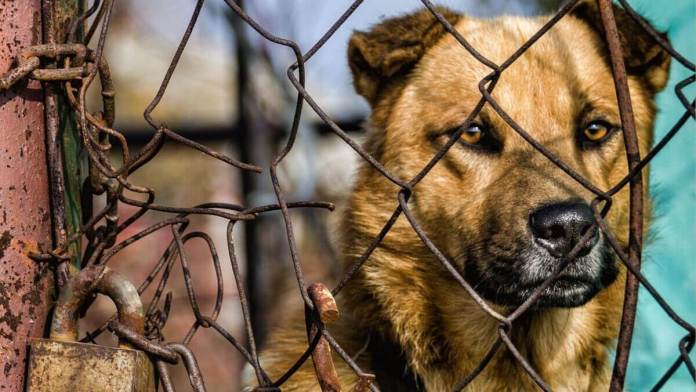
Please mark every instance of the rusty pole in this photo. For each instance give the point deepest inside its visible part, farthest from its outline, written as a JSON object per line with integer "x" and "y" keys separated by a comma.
{"x": 25, "y": 219}
{"x": 37, "y": 140}
{"x": 635, "y": 241}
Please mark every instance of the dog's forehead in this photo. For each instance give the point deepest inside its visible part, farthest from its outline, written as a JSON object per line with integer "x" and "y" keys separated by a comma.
{"x": 544, "y": 84}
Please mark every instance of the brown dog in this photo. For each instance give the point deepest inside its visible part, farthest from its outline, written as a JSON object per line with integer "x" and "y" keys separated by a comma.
{"x": 503, "y": 213}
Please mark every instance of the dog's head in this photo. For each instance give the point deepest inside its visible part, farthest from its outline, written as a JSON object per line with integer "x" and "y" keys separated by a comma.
{"x": 499, "y": 208}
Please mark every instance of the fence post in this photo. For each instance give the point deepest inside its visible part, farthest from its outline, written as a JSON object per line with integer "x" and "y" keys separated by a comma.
{"x": 25, "y": 218}
{"x": 26, "y": 287}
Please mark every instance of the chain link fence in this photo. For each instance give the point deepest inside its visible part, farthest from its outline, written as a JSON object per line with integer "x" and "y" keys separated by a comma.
{"x": 80, "y": 65}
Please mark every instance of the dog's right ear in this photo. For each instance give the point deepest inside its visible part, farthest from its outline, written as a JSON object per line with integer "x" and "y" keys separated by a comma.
{"x": 643, "y": 56}
{"x": 391, "y": 49}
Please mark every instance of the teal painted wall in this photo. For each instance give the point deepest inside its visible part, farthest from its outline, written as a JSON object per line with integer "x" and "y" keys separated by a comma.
{"x": 670, "y": 254}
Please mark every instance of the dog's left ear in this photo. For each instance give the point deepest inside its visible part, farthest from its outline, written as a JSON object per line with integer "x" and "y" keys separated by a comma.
{"x": 643, "y": 56}
{"x": 392, "y": 48}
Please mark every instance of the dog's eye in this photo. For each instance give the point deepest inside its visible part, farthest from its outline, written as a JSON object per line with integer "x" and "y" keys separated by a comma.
{"x": 477, "y": 137}
{"x": 473, "y": 134}
{"x": 597, "y": 131}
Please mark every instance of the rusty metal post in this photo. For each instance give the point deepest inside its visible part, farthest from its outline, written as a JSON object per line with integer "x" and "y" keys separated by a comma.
{"x": 25, "y": 219}
{"x": 27, "y": 207}
{"x": 62, "y": 141}
{"x": 635, "y": 242}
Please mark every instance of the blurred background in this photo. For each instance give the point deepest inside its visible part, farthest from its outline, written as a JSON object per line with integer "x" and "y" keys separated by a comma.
{"x": 230, "y": 92}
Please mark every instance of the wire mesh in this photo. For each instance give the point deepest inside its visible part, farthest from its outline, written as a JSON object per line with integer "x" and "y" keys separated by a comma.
{"x": 81, "y": 65}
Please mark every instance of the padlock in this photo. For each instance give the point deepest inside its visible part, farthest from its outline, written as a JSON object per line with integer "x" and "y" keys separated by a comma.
{"x": 60, "y": 363}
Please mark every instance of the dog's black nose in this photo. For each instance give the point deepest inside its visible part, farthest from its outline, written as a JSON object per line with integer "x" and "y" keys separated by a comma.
{"x": 558, "y": 227}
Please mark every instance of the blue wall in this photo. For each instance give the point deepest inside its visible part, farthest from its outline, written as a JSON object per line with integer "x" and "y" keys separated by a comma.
{"x": 670, "y": 255}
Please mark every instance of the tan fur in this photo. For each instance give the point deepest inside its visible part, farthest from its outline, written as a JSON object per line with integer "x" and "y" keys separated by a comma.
{"x": 402, "y": 291}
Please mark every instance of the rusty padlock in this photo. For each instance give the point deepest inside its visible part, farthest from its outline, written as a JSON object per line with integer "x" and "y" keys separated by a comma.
{"x": 60, "y": 363}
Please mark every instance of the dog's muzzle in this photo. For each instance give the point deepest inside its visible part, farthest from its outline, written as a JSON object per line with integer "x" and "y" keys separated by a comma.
{"x": 555, "y": 229}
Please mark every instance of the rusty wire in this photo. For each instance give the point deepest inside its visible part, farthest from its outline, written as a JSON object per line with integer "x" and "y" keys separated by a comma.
{"x": 81, "y": 65}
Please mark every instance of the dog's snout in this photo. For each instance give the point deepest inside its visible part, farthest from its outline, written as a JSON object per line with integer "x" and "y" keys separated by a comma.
{"x": 558, "y": 227}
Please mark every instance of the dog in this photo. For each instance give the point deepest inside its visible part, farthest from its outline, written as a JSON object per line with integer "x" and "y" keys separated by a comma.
{"x": 504, "y": 214}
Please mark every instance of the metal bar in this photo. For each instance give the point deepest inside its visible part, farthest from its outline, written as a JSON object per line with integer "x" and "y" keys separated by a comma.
{"x": 635, "y": 240}
{"x": 62, "y": 144}
{"x": 53, "y": 148}
{"x": 25, "y": 221}
{"x": 254, "y": 146}
{"x": 230, "y": 133}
